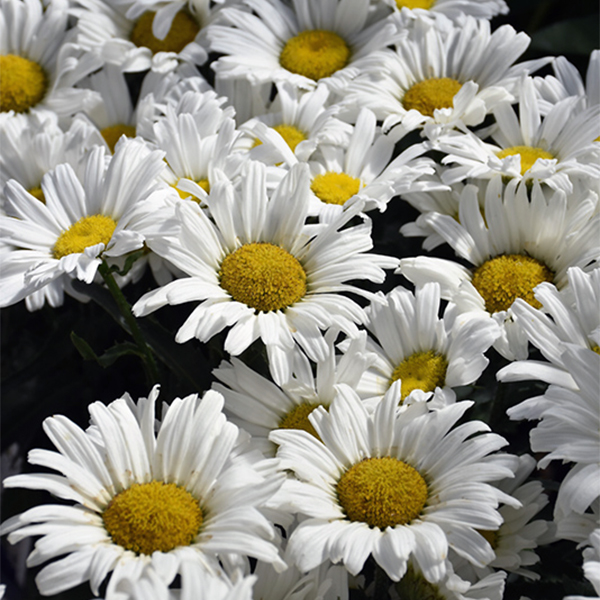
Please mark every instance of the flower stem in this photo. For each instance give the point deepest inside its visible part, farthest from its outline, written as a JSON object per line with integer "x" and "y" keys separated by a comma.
{"x": 134, "y": 329}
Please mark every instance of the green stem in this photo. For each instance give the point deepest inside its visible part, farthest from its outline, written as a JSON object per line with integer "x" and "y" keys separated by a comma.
{"x": 132, "y": 325}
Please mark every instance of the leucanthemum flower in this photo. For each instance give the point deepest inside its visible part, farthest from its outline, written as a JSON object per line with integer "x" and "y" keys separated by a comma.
{"x": 522, "y": 242}
{"x": 103, "y": 211}
{"x": 392, "y": 485}
{"x": 148, "y": 504}
{"x": 258, "y": 268}
{"x": 259, "y": 406}
{"x": 424, "y": 351}
{"x": 441, "y": 80}
{"x": 452, "y": 9}
{"x": 302, "y": 42}
{"x": 40, "y": 66}
{"x": 556, "y": 150}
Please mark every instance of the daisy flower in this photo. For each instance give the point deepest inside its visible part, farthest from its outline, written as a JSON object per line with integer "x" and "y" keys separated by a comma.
{"x": 420, "y": 349}
{"x": 391, "y": 485}
{"x": 452, "y": 9}
{"x": 556, "y": 150}
{"x": 147, "y": 504}
{"x": 39, "y": 65}
{"x": 570, "y": 317}
{"x": 259, "y": 406}
{"x": 303, "y": 42}
{"x": 258, "y": 268}
{"x": 441, "y": 79}
{"x": 102, "y": 211}
{"x": 522, "y": 242}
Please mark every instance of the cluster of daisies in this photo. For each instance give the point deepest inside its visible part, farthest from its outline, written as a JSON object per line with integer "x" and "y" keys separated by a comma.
{"x": 349, "y": 460}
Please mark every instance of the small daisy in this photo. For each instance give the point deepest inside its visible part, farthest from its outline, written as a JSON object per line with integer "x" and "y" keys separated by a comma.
{"x": 520, "y": 243}
{"x": 392, "y": 485}
{"x": 422, "y": 350}
{"x": 259, "y": 406}
{"x": 261, "y": 270}
{"x": 556, "y": 150}
{"x": 104, "y": 210}
{"x": 148, "y": 504}
{"x": 39, "y": 66}
{"x": 302, "y": 42}
{"x": 453, "y": 9}
{"x": 441, "y": 80}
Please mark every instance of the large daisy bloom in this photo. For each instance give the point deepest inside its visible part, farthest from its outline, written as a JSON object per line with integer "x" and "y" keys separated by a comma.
{"x": 258, "y": 268}
{"x": 39, "y": 66}
{"x": 147, "y": 504}
{"x": 453, "y": 9}
{"x": 302, "y": 42}
{"x": 522, "y": 241}
{"x": 394, "y": 485}
{"x": 422, "y": 350}
{"x": 102, "y": 211}
{"x": 556, "y": 150}
{"x": 441, "y": 79}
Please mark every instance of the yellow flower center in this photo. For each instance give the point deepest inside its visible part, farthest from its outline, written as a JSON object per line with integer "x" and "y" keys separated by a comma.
{"x": 23, "y": 83}
{"x": 263, "y": 276}
{"x": 426, "y": 96}
{"x": 382, "y": 492}
{"x": 37, "y": 192}
{"x": 203, "y": 183}
{"x": 529, "y": 154}
{"x": 155, "y": 516}
{"x": 297, "y": 418}
{"x": 183, "y": 31}
{"x": 292, "y": 135}
{"x": 596, "y": 349}
{"x": 490, "y": 536}
{"x": 426, "y": 4}
{"x": 113, "y": 133}
{"x": 335, "y": 188}
{"x": 503, "y": 279}
{"x": 413, "y": 586}
{"x": 88, "y": 231}
{"x": 421, "y": 371}
{"x": 315, "y": 54}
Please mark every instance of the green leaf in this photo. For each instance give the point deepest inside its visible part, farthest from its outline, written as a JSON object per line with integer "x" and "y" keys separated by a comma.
{"x": 83, "y": 347}
{"x": 129, "y": 262}
{"x": 573, "y": 36}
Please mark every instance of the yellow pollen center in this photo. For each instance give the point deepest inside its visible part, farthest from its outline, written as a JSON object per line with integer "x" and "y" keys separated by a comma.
{"x": 596, "y": 349}
{"x": 183, "y": 31}
{"x": 290, "y": 134}
{"x": 421, "y": 371}
{"x": 491, "y": 537}
{"x": 263, "y": 276}
{"x": 203, "y": 183}
{"x": 503, "y": 279}
{"x": 155, "y": 516}
{"x": 431, "y": 94}
{"x": 113, "y": 134}
{"x": 315, "y": 54}
{"x": 23, "y": 83}
{"x": 335, "y": 188}
{"x": 529, "y": 154}
{"x": 426, "y": 4}
{"x": 37, "y": 192}
{"x": 413, "y": 586}
{"x": 382, "y": 492}
{"x": 88, "y": 231}
{"x": 297, "y": 418}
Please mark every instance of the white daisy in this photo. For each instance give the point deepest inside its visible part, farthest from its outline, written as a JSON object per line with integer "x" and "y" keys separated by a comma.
{"x": 422, "y": 350}
{"x": 258, "y": 268}
{"x": 521, "y": 242}
{"x": 392, "y": 485}
{"x": 441, "y": 79}
{"x": 453, "y": 9}
{"x": 102, "y": 211}
{"x": 40, "y": 66}
{"x": 302, "y": 42}
{"x": 557, "y": 150}
{"x": 149, "y": 505}
{"x": 257, "y": 405}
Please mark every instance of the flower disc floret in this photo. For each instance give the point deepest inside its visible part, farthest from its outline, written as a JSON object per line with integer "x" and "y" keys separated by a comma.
{"x": 315, "y": 54}
{"x": 292, "y": 135}
{"x": 421, "y": 371}
{"x": 263, "y": 276}
{"x": 529, "y": 154}
{"x": 297, "y": 418}
{"x": 183, "y": 31}
{"x": 335, "y": 188}
{"x": 38, "y": 193}
{"x": 382, "y": 492}
{"x": 88, "y": 231}
{"x": 503, "y": 279}
{"x": 431, "y": 94}
{"x": 151, "y": 517}
{"x": 23, "y": 83}
{"x": 113, "y": 133}
{"x": 424, "y": 4}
